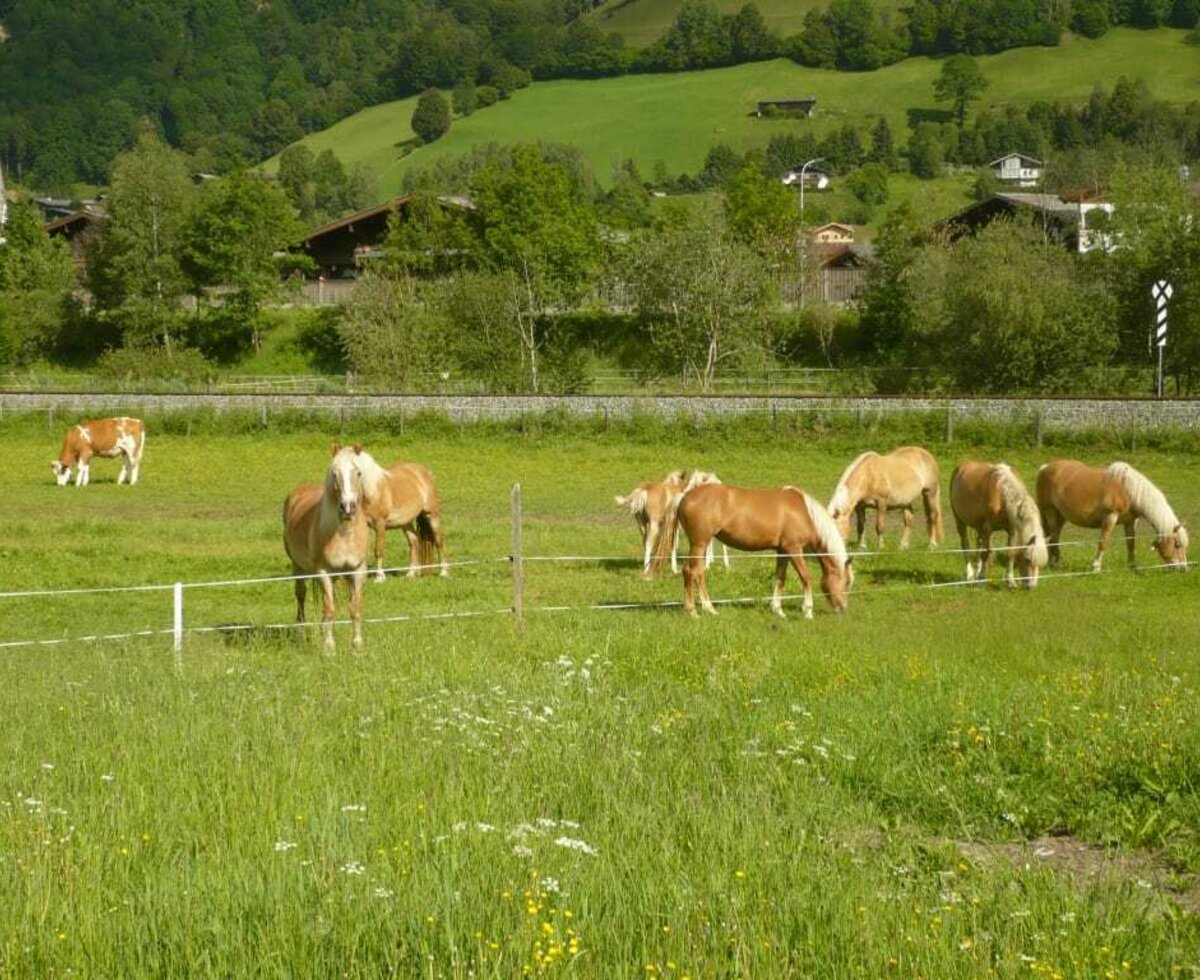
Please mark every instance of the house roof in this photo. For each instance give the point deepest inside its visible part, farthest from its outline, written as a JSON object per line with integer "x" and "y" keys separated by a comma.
{"x": 71, "y": 224}
{"x": 847, "y": 255}
{"x": 849, "y": 229}
{"x": 1024, "y": 156}
{"x": 349, "y": 220}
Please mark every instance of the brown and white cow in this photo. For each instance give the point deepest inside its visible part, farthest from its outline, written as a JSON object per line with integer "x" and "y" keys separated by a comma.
{"x": 100, "y": 437}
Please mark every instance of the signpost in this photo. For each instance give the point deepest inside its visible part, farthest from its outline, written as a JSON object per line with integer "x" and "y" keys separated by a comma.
{"x": 1161, "y": 291}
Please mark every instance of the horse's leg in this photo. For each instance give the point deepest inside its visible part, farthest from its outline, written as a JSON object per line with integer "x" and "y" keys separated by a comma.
{"x": 439, "y": 542}
{"x": 1052, "y": 522}
{"x": 380, "y": 524}
{"x": 860, "y": 521}
{"x": 83, "y": 473}
{"x": 725, "y": 555}
{"x": 1106, "y": 530}
{"x": 689, "y": 584}
{"x": 880, "y": 523}
{"x": 414, "y": 551}
{"x": 327, "y": 608}
{"x": 797, "y": 555}
{"x": 698, "y": 577}
{"x": 781, "y": 567}
{"x": 932, "y": 499}
{"x": 1010, "y": 576}
{"x": 356, "y": 595}
{"x": 985, "y": 552}
{"x": 300, "y": 587}
{"x": 965, "y": 544}
{"x": 1130, "y": 523}
{"x": 906, "y": 534}
{"x": 708, "y": 554}
{"x": 650, "y": 539}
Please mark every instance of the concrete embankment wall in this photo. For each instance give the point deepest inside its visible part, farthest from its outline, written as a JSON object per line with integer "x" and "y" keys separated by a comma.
{"x": 1058, "y": 413}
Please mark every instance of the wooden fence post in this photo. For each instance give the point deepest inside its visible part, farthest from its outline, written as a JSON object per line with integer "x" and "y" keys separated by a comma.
{"x": 177, "y": 623}
{"x": 518, "y": 567}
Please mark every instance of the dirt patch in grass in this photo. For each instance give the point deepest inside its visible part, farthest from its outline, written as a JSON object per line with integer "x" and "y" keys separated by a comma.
{"x": 1087, "y": 864}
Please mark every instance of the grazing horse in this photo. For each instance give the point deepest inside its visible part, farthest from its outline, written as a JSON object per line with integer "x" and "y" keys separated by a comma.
{"x": 123, "y": 437}
{"x": 894, "y": 481}
{"x": 325, "y": 532}
{"x": 1072, "y": 492}
{"x": 653, "y": 505}
{"x": 408, "y": 498}
{"x": 993, "y": 498}
{"x": 786, "y": 521}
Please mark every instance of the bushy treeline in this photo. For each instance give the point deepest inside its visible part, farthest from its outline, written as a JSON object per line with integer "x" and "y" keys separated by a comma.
{"x": 543, "y": 271}
{"x": 230, "y": 85}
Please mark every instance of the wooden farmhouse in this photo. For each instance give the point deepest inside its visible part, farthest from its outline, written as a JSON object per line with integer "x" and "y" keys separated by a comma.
{"x": 78, "y": 229}
{"x": 1017, "y": 170}
{"x": 341, "y": 248}
{"x": 1080, "y": 225}
{"x": 786, "y": 107}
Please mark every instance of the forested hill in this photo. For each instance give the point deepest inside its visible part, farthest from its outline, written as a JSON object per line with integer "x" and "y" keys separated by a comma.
{"x": 234, "y": 81}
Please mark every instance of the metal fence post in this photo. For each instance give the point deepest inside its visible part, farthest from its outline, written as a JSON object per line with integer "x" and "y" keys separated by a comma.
{"x": 518, "y": 567}
{"x": 949, "y": 424}
{"x": 1037, "y": 431}
{"x": 178, "y": 625}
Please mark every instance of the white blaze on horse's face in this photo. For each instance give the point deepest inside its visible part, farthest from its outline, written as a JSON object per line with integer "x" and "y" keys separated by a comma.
{"x": 62, "y": 474}
{"x": 346, "y": 476}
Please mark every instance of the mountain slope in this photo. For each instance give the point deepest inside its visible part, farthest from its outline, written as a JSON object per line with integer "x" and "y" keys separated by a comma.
{"x": 676, "y": 118}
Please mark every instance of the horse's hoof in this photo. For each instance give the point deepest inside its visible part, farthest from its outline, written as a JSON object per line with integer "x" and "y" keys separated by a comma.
{"x": 710, "y": 610}
{"x": 379, "y": 577}
{"x": 444, "y": 573}
{"x": 778, "y": 611}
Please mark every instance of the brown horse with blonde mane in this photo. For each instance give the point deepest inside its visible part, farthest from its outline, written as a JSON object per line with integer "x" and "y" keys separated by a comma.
{"x": 325, "y": 533}
{"x": 1069, "y": 491}
{"x": 407, "y": 497}
{"x": 992, "y": 498}
{"x": 892, "y": 482}
{"x": 785, "y": 521}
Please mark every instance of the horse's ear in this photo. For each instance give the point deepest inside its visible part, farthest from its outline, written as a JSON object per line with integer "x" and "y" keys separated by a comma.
{"x": 335, "y": 448}
{"x": 357, "y": 448}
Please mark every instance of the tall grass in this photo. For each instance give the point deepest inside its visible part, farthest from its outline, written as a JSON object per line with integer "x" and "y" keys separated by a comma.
{"x": 607, "y": 794}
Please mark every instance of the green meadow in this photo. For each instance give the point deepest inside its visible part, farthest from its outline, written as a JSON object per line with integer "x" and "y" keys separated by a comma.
{"x": 943, "y": 782}
{"x": 674, "y": 119}
{"x": 641, "y": 22}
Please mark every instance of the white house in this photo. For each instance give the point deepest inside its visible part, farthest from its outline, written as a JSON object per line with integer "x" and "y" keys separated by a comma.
{"x": 833, "y": 233}
{"x": 1017, "y": 170}
{"x": 814, "y": 180}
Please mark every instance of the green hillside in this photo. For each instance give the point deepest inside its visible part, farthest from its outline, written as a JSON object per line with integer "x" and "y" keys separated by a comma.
{"x": 676, "y": 118}
{"x": 642, "y": 22}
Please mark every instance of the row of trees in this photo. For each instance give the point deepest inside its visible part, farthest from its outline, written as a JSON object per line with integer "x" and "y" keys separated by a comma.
{"x": 164, "y": 239}
{"x": 230, "y": 86}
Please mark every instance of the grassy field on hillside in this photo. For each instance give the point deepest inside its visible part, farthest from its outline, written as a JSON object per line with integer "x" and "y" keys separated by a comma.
{"x": 942, "y": 782}
{"x": 642, "y": 22}
{"x": 676, "y": 118}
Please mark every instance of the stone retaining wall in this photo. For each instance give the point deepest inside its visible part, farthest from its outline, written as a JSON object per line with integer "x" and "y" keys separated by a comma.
{"x": 1059, "y": 413}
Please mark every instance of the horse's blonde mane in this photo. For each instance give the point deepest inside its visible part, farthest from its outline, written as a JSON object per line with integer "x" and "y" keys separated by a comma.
{"x": 1024, "y": 518}
{"x": 840, "y": 500}
{"x": 697, "y": 477}
{"x": 371, "y": 472}
{"x": 1148, "y": 502}
{"x": 827, "y": 531}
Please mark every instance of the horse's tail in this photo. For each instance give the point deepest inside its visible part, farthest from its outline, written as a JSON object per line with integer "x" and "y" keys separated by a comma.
{"x": 426, "y": 542}
{"x": 635, "y": 501}
{"x": 668, "y": 534}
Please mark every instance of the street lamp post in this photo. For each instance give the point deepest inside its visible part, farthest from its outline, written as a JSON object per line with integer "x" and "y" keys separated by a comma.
{"x": 804, "y": 242}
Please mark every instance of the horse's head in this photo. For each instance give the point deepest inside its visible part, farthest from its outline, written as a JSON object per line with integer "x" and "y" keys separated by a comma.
{"x": 837, "y": 579}
{"x": 345, "y": 479}
{"x": 1172, "y": 548}
{"x": 62, "y": 473}
{"x": 1030, "y": 559}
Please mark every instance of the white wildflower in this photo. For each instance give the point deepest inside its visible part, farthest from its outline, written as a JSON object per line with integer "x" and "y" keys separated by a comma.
{"x": 550, "y": 885}
{"x": 522, "y": 851}
{"x": 485, "y": 828}
{"x": 574, "y": 844}
{"x": 354, "y": 808}
{"x": 384, "y": 893}
{"x": 284, "y": 845}
{"x": 353, "y": 868}
{"x": 47, "y": 766}
{"x": 108, "y": 777}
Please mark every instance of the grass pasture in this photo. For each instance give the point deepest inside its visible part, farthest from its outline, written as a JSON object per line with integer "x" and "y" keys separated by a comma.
{"x": 603, "y": 794}
{"x": 676, "y": 118}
